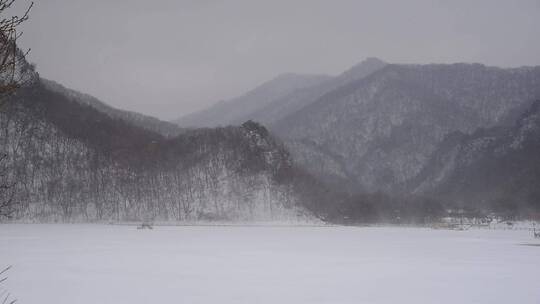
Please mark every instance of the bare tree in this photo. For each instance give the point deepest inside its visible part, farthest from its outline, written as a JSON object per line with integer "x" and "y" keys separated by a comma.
{"x": 7, "y": 190}
{"x": 11, "y": 58}
{"x": 11, "y": 78}
{"x": 4, "y": 295}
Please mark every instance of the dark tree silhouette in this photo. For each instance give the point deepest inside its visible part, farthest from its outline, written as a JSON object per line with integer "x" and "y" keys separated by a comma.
{"x": 11, "y": 58}
{"x": 5, "y": 297}
{"x": 12, "y": 68}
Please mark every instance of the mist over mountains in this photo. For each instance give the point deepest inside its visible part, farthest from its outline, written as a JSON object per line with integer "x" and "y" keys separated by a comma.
{"x": 382, "y": 129}
{"x": 242, "y": 108}
{"x": 377, "y": 139}
{"x": 73, "y": 158}
{"x": 277, "y": 98}
{"x": 144, "y": 121}
{"x": 493, "y": 168}
{"x": 387, "y": 128}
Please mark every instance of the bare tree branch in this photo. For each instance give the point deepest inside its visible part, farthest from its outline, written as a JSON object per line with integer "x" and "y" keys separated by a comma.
{"x": 4, "y": 294}
{"x": 12, "y": 68}
{"x": 11, "y": 58}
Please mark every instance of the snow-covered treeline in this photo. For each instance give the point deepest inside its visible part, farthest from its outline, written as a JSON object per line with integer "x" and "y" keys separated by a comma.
{"x": 69, "y": 162}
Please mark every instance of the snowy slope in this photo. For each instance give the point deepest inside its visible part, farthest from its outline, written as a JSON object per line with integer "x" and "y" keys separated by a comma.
{"x": 496, "y": 168}
{"x": 147, "y": 122}
{"x": 379, "y": 132}
{"x": 73, "y": 162}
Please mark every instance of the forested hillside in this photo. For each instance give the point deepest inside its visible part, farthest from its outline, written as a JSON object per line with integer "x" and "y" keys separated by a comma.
{"x": 416, "y": 138}
{"x": 496, "y": 168}
{"x": 68, "y": 161}
{"x": 377, "y": 143}
{"x": 146, "y": 122}
{"x": 377, "y": 133}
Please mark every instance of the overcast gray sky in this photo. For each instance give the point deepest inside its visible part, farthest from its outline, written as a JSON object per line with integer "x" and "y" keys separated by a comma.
{"x": 168, "y": 58}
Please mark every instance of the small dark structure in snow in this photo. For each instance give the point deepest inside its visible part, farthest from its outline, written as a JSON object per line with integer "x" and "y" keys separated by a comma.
{"x": 145, "y": 225}
{"x": 536, "y": 234}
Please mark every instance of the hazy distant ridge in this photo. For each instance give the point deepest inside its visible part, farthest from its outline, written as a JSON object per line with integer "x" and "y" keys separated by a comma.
{"x": 379, "y": 132}
{"x": 141, "y": 120}
{"x": 239, "y": 109}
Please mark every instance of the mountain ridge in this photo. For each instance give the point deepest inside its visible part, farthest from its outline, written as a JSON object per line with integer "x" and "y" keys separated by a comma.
{"x": 369, "y": 123}
{"x": 259, "y": 106}
{"x": 238, "y": 109}
{"x": 74, "y": 162}
{"x": 495, "y": 168}
{"x": 148, "y": 122}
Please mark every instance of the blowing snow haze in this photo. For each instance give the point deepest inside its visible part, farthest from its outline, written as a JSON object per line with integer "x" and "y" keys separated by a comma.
{"x": 170, "y": 58}
{"x": 270, "y": 152}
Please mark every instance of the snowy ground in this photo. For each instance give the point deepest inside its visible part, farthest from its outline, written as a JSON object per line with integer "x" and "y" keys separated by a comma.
{"x": 80, "y": 264}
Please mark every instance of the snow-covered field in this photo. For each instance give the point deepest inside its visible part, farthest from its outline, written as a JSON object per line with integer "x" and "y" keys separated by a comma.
{"x": 72, "y": 264}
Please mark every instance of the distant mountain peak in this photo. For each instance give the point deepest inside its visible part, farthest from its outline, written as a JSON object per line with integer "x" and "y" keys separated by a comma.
{"x": 281, "y": 96}
{"x": 290, "y": 75}
{"x": 373, "y": 60}
{"x": 381, "y": 131}
{"x": 239, "y": 109}
{"x": 364, "y": 68}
